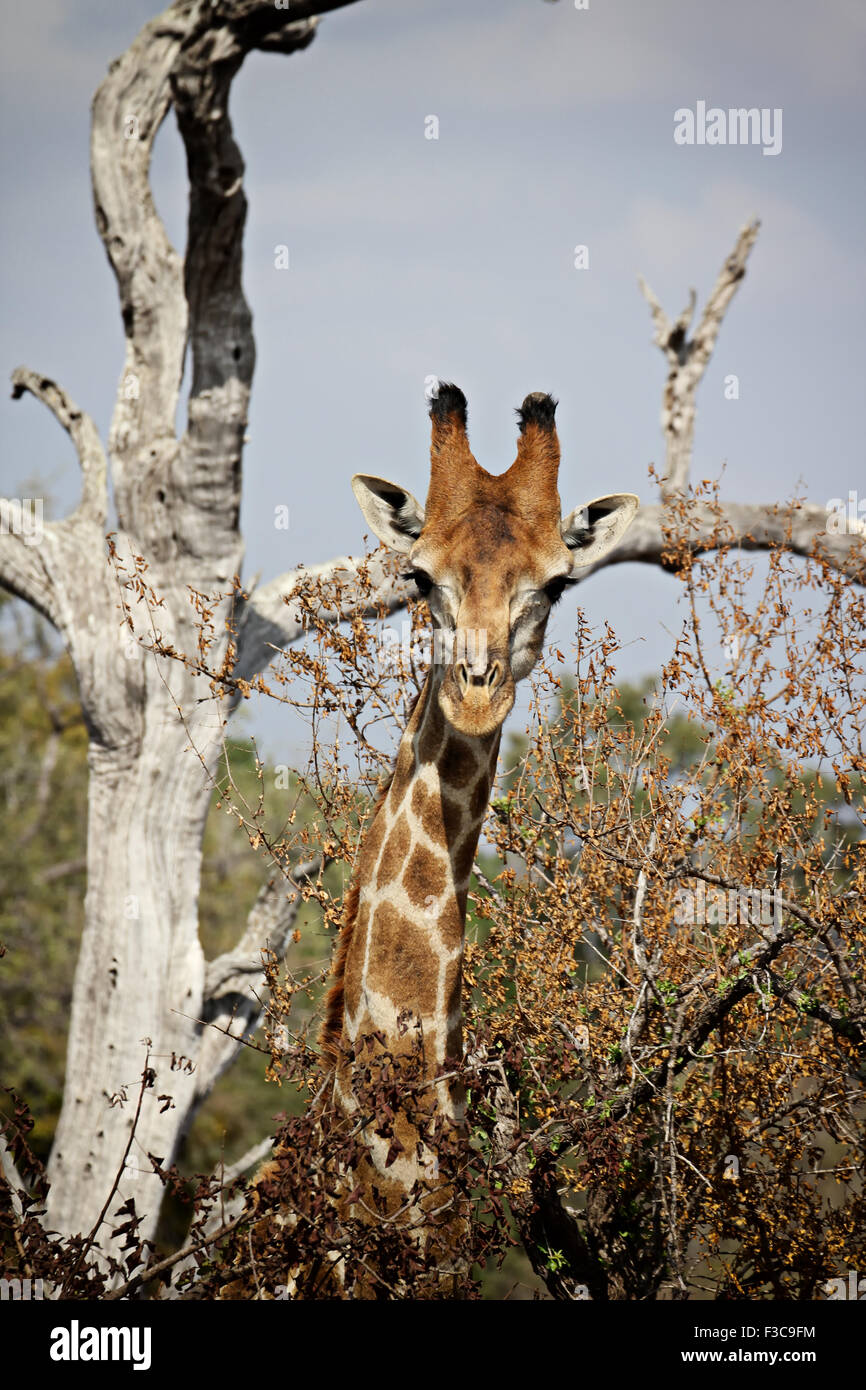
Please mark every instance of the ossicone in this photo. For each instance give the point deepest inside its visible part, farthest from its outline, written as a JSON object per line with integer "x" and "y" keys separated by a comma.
{"x": 447, "y": 402}
{"x": 539, "y": 408}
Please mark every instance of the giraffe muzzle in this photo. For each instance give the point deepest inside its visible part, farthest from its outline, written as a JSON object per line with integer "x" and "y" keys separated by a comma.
{"x": 487, "y": 680}
{"x": 476, "y": 697}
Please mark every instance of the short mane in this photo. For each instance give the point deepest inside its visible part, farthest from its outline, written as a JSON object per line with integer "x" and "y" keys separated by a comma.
{"x": 332, "y": 1027}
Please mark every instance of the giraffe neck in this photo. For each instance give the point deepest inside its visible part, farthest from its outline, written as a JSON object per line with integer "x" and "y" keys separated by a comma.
{"x": 405, "y": 954}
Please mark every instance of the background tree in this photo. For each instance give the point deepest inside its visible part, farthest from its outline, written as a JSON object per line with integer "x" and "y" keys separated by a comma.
{"x": 141, "y": 969}
{"x": 42, "y": 867}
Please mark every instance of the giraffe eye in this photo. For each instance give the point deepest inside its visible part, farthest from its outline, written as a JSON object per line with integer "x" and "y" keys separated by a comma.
{"x": 557, "y": 587}
{"x": 423, "y": 583}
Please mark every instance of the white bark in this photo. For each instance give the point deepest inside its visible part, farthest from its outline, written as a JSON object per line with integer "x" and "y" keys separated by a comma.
{"x": 155, "y": 735}
{"x": 801, "y": 528}
{"x": 269, "y": 622}
{"x": 688, "y": 357}
{"x": 698, "y": 526}
{"x": 233, "y": 988}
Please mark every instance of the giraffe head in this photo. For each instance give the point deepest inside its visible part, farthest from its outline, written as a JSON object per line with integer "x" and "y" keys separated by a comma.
{"x": 491, "y": 554}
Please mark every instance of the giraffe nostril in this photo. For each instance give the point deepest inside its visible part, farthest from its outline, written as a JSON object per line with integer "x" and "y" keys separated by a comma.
{"x": 487, "y": 680}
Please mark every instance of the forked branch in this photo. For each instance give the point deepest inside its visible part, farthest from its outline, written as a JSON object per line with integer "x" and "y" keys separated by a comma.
{"x": 688, "y": 357}
{"x": 83, "y": 433}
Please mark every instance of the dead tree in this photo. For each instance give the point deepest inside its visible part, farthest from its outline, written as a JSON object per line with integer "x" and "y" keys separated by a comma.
{"x": 141, "y": 971}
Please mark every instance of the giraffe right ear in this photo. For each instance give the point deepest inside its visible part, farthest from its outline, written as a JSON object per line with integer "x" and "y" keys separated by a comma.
{"x": 392, "y": 513}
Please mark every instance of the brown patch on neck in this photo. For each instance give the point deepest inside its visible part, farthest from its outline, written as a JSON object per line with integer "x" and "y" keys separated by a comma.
{"x": 332, "y": 1026}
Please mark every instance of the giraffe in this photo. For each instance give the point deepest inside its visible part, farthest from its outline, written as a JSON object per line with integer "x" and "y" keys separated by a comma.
{"x": 491, "y": 555}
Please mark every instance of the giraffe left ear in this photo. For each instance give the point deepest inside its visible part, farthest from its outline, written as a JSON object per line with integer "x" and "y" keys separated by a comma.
{"x": 392, "y": 513}
{"x": 594, "y": 529}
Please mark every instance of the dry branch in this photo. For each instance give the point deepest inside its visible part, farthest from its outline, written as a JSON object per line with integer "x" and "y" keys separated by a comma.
{"x": 688, "y": 357}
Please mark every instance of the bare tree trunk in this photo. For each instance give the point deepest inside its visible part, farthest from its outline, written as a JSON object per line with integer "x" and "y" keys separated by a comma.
{"x": 141, "y": 969}
{"x": 142, "y": 986}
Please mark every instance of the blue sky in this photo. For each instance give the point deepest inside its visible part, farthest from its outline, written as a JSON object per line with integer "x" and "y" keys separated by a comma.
{"x": 454, "y": 257}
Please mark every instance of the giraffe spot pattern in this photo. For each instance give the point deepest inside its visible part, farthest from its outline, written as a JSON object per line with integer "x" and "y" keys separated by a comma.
{"x": 458, "y": 765}
{"x": 462, "y": 858}
{"x": 424, "y": 877}
{"x": 407, "y": 951}
{"x": 394, "y": 853}
{"x": 400, "y": 961}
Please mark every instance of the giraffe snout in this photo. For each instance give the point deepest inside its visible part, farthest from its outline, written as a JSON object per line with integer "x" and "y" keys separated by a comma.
{"x": 476, "y": 695}
{"x": 487, "y": 679}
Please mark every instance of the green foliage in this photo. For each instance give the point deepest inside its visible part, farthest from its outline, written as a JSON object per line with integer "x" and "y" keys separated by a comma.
{"x": 43, "y": 793}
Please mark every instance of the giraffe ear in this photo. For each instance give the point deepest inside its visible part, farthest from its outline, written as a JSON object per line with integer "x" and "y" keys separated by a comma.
{"x": 392, "y": 513}
{"x": 592, "y": 530}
